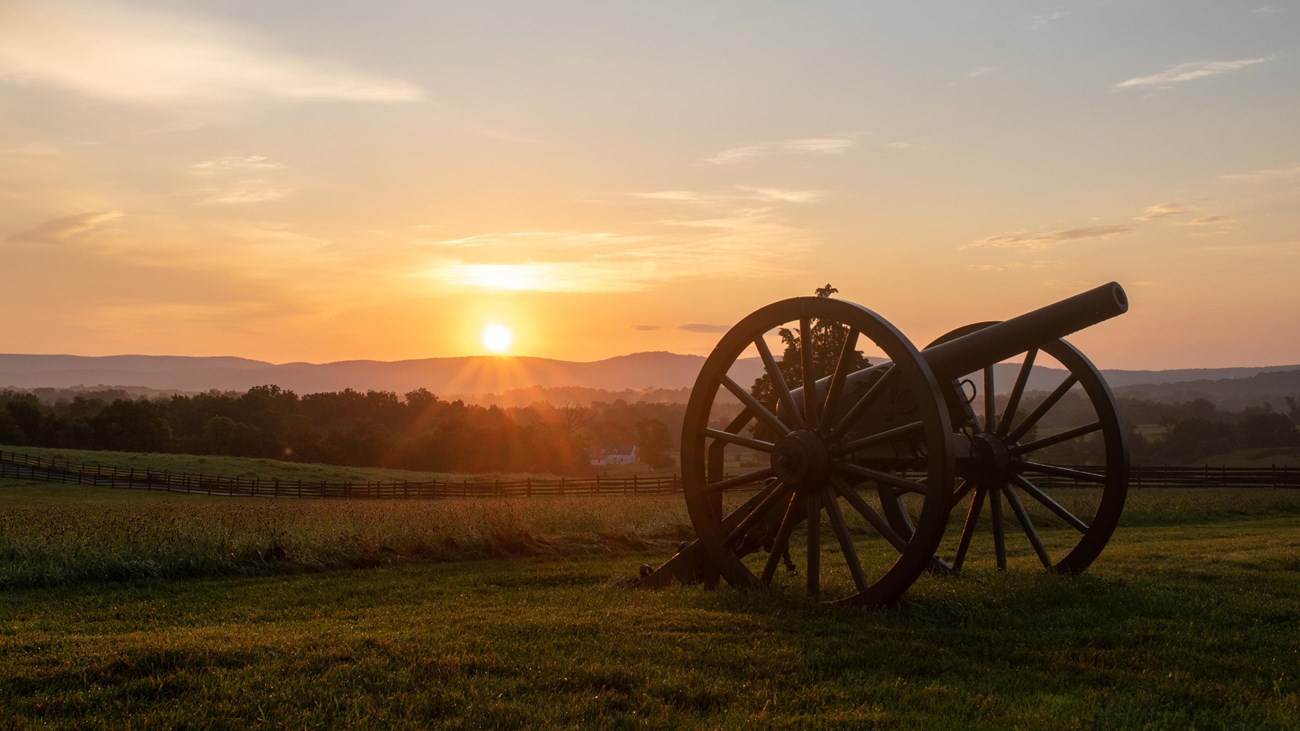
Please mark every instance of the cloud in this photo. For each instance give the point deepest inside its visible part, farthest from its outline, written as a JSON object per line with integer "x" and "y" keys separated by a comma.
{"x": 744, "y": 193}
{"x": 1267, "y": 11}
{"x": 1163, "y": 210}
{"x": 135, "y": 54}
{"x": 981, "y": 71}
{"x": 65, "y": 228}
{"x": 808, "y": 145}
{"x": 1043, "y": 20}
{"x": 234, "y": 163}
{"x": 646, "y": 328}
{"x": 239, "y": 180}
{"x": 699, "y": 327}
{"x": 252, "y": 191}
{"x": 1187, "y": 72}
{"x": 1209, "y": 221}
{"x": 1267, "y": 175}
{"x": 1047, "y": 240}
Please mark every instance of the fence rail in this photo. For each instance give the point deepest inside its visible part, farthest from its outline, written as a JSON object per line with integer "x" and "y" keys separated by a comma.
{"x": 49, "y": 469}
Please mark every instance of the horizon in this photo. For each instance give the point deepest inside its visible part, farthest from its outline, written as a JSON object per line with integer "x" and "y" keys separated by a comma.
{"x": 581, "y": 181}
{"x": 514, "y": 356}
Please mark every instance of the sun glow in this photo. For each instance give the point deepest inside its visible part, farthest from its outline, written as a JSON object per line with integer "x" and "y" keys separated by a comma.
{"x": 497, "y": 338}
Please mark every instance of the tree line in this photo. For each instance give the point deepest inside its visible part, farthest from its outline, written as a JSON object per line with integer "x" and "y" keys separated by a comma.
{"x": 372, "y": 429}
{"x": 422, "y": 432}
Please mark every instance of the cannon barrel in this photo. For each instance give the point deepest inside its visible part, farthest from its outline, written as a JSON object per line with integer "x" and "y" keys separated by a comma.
{"x": 1000, "y": 341}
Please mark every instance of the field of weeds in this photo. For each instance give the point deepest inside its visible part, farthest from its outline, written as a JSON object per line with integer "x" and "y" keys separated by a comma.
{"x": 59, "y": 534}
{"x": 196, "y": 611}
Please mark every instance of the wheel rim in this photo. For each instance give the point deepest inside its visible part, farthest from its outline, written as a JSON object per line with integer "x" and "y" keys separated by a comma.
{"x": 1047, "y": 481}
{"x": 818, "y": 455}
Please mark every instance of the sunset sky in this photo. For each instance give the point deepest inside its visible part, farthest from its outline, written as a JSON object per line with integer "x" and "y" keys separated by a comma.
{"x": 317, "y": 181}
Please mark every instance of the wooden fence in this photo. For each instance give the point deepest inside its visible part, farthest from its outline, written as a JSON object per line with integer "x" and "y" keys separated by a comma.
{"x": 47, "y": 469}
{"x": 58, "y": 470}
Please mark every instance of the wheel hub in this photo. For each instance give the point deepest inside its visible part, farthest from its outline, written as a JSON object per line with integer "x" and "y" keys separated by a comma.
{"x": 990, "y": 458}
{"x": 801, "y": 458}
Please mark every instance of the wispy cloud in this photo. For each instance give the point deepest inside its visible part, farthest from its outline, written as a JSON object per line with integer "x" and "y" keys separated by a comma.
{"x": 981, "y": 71}
{"x": 1187, "y": 72}
{"x": 806, "y": 145}
{"x": 1042, "y": 20}
{"x": 1209, "y": 221}
{"x": 692, "y": 235}
{"x": 738, "y": 193}
{"x": 234, "y": 163}
{"x": 1047, "y": 240}
{"x": 236, "y": 180}
{"x": 65, "y": 228}
{"x": 1267, "y": 10}
{"x": 701, "y": 327}
{"x": 1163, "y": 210}
{"x": 1267, "y": 175}
{"x": 130, "y": 53}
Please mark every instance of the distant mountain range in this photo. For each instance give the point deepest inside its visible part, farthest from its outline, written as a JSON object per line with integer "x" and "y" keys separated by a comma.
{"x": 466, "y": 375}
{"x": 532, "y": 377}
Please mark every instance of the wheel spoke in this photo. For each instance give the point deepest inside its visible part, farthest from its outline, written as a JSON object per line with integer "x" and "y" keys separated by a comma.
{"x": 759, "y": 410}
{"x": 1027, "y": 525}
{"x": 1066, "y": 472}
{"x": 781, "y": 544}
{"x": 963, "y": 489}
{"x": 740, "y": 513}
{"x": 999, "y": 536}
{"x": 746, "y": 479}
{"x": 778, "y": 381}
{"x": 814, "y": 544}
{"x": 869, "y": 514}
{"x": 1064, "y": 436}
{"x": 874, "y": 392}
{"x": 757, "y": 513}
{"x": 1056, "y": 395}
{"x": 884, "y": 436}
{"x": 846, "y": 541}
{"x": 968, "y": 528}
{"x": 842, "y": 366}
{"x": 866, "y": 473}
{"x": 1036, "y": 493}
{"x": 1017, "y": 391}
{"x": 726, "y": 436}
{"x": 809, "y": 376}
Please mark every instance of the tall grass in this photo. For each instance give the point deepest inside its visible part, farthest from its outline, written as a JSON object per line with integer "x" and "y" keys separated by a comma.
{"x": 51, "y": 535}
{"x": 58, "y": 534}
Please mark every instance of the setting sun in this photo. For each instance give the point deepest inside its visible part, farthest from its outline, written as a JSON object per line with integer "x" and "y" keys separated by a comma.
{"x": 497, "y": 338}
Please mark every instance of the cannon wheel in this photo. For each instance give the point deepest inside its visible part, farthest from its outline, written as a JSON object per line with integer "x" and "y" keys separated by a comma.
{"x": 808, "y": 445}
{"x": 1077, "y": 506}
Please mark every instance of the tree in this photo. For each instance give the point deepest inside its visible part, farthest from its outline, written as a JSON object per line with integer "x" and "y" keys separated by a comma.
{"x": 1267, "y": 428}
{"x": 654, "y": 443}
{"x": 827, "y": 341}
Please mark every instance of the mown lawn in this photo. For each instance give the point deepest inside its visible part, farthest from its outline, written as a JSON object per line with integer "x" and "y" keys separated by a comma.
{"x": 1178, "y": 625}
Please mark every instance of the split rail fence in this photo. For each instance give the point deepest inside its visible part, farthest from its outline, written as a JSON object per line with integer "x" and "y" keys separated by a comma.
{"x": 49, "y": 469}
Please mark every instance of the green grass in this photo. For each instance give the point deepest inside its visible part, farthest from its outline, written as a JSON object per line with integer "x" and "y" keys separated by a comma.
{"x": 495, "y": 613}
{"x": 1177, "y": 627}
{"x": 248, "y": 467}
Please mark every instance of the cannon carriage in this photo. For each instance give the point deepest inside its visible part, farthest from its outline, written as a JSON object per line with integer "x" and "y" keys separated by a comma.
{"x": 873, "y": 461}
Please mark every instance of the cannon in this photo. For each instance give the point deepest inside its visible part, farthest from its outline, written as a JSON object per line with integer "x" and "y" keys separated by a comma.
{"x": 914, "y": 458}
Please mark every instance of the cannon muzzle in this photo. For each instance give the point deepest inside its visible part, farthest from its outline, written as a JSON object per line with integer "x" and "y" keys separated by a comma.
{"x": 998, "y": 342}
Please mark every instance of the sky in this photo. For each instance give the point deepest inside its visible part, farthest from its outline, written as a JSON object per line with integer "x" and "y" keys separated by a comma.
{"x": 315, "y": 180}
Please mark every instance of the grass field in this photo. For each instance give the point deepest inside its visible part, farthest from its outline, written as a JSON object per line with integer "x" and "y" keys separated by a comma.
{"x": 129, "y": 608}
